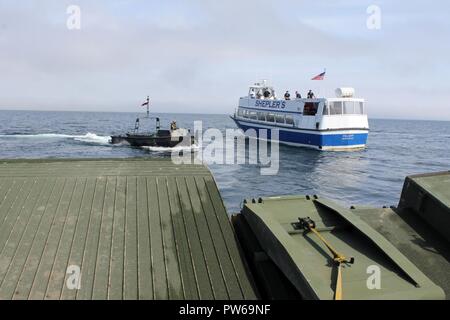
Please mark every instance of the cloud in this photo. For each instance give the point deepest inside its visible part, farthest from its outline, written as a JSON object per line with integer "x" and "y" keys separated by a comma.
{"x": 200, "y": 55}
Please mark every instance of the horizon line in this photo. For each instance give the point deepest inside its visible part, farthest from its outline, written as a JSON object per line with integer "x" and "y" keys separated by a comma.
{"x": 200, "y": 113}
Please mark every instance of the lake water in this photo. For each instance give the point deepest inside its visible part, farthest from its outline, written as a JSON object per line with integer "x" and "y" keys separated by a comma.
{"x": 373, "y": 176}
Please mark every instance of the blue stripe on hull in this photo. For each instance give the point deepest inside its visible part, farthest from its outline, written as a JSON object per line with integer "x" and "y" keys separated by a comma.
{"x": 317, "y": 140}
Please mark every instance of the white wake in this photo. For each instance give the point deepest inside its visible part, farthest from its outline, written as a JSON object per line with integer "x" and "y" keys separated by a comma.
{"x": 173, "y": 149}
{"x": 95, "y": 139}
{"x": 88, "y": 137}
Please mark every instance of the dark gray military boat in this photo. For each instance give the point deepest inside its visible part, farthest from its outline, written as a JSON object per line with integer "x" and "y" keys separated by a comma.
{"x": 160, "y": 138}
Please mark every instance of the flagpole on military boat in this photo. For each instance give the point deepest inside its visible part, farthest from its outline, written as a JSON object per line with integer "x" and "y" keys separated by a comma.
{"x": 148, "y": 104}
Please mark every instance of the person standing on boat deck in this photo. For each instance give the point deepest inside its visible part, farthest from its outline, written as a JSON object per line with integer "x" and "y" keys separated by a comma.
{"x": 173, "y": 125}
{"x": 252, "y": 94}
{"x": 298, "y": 95}
{"x": 287, "y": 96}
{"x": 311, "y": 95}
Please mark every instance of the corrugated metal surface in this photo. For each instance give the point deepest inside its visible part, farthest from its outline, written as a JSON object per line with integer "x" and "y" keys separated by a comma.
{"x": 137, "y": 229}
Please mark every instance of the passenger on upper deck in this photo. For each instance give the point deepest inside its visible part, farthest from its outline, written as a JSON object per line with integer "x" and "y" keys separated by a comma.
{"x": 311, "y": 95}
{"x": 298, "y": 95}
{"x": 258, "y": 94}
{"x": 252, "y": 93}
{"x": 267, "y": 94}
{"x": 287, "y": 96}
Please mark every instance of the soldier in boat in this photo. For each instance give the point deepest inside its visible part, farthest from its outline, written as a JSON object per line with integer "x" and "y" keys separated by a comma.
{"x": 173, "y": 125}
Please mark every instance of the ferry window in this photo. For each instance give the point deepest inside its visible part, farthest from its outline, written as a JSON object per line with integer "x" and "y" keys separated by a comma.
{"x": 326, "y": 110}
{"x": 270, "y": 117}
{"x": 279, "y": 118}
{"x": 360, "y": 107}
{"x": 349, "y": 107}
{"x": 310, "y": 108}
{"x": 245, "y": 113}
{"x": 262, "y": 116}
{"x": 240, "y": 113}
{"x": 336, "y": 107}
{"x": 289, "y": 120}
{"x": 253, "y": 115}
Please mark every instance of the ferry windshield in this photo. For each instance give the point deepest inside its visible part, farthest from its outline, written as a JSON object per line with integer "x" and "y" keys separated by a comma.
{"x": 344, "y": 107}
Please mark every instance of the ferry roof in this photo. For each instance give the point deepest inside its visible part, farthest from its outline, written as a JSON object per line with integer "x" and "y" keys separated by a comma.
{"x": 318, "y": 99}
{"x": 138, "y": 229}
{"x": 346, "y": 99}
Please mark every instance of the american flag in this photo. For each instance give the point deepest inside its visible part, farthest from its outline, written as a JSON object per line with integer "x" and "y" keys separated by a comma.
{"x": 319, "y": 76}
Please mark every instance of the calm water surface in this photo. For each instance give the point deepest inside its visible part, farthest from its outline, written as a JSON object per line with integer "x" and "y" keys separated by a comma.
{"x": 374, "y": 176}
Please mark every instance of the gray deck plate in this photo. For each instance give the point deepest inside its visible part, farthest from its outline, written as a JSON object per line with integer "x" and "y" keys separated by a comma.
{"x": 138, "y": 229}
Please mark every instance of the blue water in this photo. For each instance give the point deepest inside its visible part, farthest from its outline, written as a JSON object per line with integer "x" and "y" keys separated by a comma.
{"x": 374, "y": 176}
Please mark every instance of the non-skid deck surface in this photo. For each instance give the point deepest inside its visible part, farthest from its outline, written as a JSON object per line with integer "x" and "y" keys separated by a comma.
{"x": 136, "y": 229}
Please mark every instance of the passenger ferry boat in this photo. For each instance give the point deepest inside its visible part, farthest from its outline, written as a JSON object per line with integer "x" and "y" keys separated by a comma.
{"x": 322, "y": 123}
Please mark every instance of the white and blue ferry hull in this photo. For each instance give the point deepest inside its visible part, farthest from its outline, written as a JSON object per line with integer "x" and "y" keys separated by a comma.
{"x": 334, "y": 139}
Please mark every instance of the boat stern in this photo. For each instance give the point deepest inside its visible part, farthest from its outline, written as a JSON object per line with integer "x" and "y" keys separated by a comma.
{"x": 347, "y": 140}
{"x": 116, "y": 140}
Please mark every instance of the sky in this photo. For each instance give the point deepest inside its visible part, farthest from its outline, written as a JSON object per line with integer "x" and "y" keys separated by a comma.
{"x": 200, "y": 56}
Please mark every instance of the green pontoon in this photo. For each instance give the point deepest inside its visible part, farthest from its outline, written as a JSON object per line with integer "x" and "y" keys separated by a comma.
{"x": 315, "y": 249}
{"x": 150, "y": 229}
{"x": 115, "y": 229}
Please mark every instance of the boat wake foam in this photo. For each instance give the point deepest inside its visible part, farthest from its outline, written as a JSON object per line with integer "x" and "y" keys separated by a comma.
{"x": 88, "y": 137}
{"x": 173, "y": 149}
{"x": 93, "y": 138}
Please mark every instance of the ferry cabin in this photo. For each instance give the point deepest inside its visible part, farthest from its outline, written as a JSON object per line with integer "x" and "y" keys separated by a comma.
{"x": 322, "y": 123}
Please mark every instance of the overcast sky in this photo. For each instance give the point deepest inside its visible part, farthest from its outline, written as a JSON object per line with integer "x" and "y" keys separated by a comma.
{"x": 201, "y": 55}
